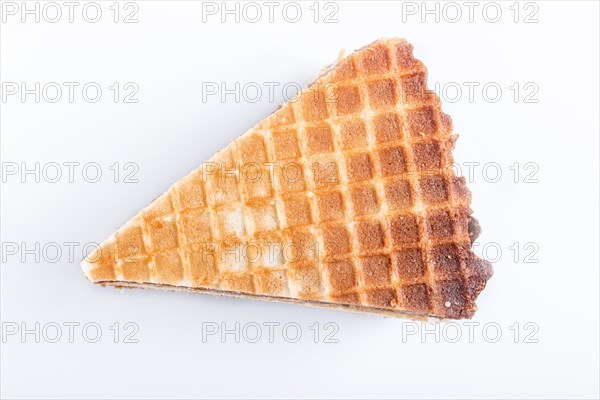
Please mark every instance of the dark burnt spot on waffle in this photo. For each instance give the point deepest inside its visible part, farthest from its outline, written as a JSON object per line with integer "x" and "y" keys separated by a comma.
{"x": 474, "y": 228}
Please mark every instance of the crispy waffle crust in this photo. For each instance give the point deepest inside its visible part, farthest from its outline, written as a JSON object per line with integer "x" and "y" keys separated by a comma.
{"x": 344, "y": 197}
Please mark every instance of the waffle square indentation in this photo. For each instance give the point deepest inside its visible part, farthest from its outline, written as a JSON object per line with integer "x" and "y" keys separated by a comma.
{"x": 314, "y": 106}
{"x": 196, "y": 226}
{"x": 269, "y": 282}
{"x": 163, "y": 234}
{"x": 427, "y": 155}
{"x": 434, "y": 189}
{"x": 382, "y": 93}
{"x": 191, "y": 193}
{"x": 415, "y": 297}
{"x": 330, "y": 205}
{"x": 399, "y": 194}
{"x": 382, "y": 297}
{"x": 359, "y": 167}
{"x": 370, "y": 236}
{"x": 297, "y": 211}
{"x": 341, "y": 275}
{"x": 404, "y": 229}
{"x": 364, "y": 200}
{"x": 375, "y": 60}
{"x": 445, "y": 260}
{"x": 203, "y": 268}
{"x": 319, "y": 139}
{"x": 354, "y": 134}
{"x": 409, "y": 264}
{"x": 286, "y": 144}
{"x": 336, "y": 240}
{"x": 392, "y": 161}
{"x": 388, "y": 128}
{"x": 290, "y": 176}
{"x": 439, "y": 224}
{"x": 347, "y": 100}
{"x": 305, "y": 280}
{"x": 376, "y": 270}
{"x": 169, "y": 268}
{"x": 421, "y": 121}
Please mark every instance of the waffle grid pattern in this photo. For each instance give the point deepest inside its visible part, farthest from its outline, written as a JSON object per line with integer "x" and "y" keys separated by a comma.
{"x": 356, "y": 202}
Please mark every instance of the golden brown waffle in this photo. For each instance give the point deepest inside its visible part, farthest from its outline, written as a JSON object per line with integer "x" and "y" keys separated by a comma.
{"x": 344, "y": 197}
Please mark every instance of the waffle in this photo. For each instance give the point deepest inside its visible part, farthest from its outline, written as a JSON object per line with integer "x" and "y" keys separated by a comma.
{"x": 344, "y": 197}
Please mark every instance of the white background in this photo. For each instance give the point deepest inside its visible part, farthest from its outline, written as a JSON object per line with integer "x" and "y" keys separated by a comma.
{"x": 168, "y": 54}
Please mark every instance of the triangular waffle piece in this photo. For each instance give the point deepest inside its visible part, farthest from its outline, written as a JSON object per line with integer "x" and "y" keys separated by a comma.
{"x": 344, "y": 197}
